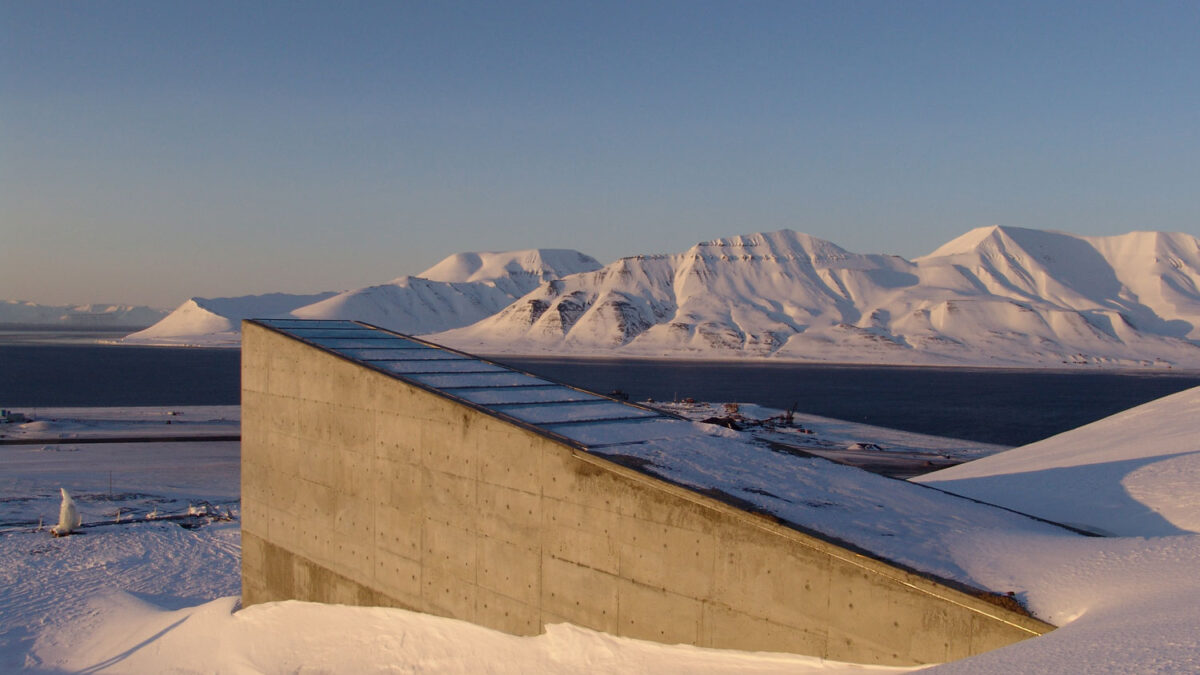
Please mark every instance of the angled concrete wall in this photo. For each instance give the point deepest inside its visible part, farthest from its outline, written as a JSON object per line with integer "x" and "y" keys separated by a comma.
{"x": 359, "y": 488}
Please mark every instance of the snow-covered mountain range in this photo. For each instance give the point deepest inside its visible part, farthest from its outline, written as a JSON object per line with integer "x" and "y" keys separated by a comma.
{"x": 458, "y": 291}
{"x": 77, "y": 316}
{"x": 994, "y": 296}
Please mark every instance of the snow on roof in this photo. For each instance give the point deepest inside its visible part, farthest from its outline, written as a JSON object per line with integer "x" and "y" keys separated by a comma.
{"x": 903, "y": 523}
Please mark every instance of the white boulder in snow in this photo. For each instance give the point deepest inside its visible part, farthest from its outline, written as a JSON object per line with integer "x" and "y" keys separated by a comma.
{"x": 69, "y": 519}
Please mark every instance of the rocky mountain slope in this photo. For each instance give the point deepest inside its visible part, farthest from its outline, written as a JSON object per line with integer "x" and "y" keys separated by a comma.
{"x": 458, "y": 291}
{"x": 994, "y": 296}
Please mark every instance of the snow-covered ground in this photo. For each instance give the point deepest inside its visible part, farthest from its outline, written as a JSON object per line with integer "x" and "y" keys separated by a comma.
{"x": 146, "y": 595}
{"x": 64, "y": 424}
{"x": 889, "y": 451}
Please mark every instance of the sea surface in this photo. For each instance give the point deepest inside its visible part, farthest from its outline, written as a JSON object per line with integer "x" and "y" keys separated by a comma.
{"x": 71, "y": 369}
{"x": 1007, "y": 407}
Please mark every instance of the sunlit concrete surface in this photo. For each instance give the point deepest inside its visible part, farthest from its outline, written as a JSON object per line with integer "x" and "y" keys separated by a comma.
{"x": 380, "y": 470}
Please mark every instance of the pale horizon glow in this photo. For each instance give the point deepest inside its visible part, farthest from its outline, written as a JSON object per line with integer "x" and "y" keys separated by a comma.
{"x": 151, "y": 152}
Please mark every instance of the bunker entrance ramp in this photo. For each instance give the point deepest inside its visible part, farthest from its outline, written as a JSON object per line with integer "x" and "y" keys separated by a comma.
{"x": 381, "y": 469}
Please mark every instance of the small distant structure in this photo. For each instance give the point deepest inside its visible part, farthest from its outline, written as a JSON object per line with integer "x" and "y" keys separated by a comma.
{"x": 12, "y": 417}
{"x": 69, "y": 519}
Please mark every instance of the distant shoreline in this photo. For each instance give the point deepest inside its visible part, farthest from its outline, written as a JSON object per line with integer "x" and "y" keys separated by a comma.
{"x": 67, "y": 328}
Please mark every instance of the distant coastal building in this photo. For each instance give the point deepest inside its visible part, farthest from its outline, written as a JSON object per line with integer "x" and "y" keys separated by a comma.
{"x": 379, "y": 469}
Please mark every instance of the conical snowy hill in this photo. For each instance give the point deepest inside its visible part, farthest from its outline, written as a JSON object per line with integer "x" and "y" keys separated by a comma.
{"x": 995, "y": 296}
{"x": 217, "y": 321}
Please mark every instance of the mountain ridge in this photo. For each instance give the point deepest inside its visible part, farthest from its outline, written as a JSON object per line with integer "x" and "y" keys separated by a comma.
{"x": 465, "y": 288}
{"x": 95, "y": 315}
{"x": 994, "y": 296}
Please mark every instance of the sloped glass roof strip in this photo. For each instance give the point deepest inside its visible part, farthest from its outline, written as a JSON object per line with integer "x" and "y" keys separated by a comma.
{"x": 583, "y": 417}
{"x": 414, "y": 353}
{"x": 594, "y": 411}
{"x": 309, "y": 323}
{"x": 509, "y": 395}
{"x": 622, "y": 431}
{"x": 353, "y": 332}
{"x": 499, "y": 378}
{"x": 385, "y": 341}
{"x": 421, "y": 366}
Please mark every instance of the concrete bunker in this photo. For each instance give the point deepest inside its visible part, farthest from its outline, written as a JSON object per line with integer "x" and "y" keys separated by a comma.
{"x": 379, "y": 469}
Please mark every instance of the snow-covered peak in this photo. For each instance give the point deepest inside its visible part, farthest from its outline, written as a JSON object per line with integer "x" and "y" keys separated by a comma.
{"x": 543, "y": 264}
{"x": 1003, "y": 296}
{"x": 1005, "y": 240}
{"x": 780, "y": 245}
{"x": 256, "y": 306}
{"x": 217, "y": 321}
{"x": 995, "y": 296}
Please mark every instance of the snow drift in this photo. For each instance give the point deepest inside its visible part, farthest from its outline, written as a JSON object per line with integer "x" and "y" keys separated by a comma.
{"x": 1132, "y": 474}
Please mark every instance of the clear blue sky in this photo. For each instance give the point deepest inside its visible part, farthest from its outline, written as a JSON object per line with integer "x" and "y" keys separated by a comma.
{"x": 151, "y": 151}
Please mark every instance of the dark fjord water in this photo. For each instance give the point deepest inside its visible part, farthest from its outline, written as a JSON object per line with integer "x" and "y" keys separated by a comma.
{"x": 1008, "y": 407}
{"x": 998, "y": 406}
{"x": 110, "y": 375}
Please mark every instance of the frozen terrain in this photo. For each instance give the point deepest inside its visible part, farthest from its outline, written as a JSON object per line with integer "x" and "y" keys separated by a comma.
{"x": 995, "y": 296}
{"x": 60, "y": 425}
{"x": 891, "y": 452}
{"x": 216, "y": 322}
{"x": 458, "y": 291}
{"x": 146, "y": 595}
{"x": 1138, "y": 476}
{"x": 1126, "y": 603}
{"x": 137, "y": 593}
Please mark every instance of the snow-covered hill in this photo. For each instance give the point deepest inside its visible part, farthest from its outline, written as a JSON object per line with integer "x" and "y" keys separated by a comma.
{"x": 77, "y": 316}
{"x": 217, "y": 321}
{"x": 994, "y": 296}
{"x": 1126, "y": 475}
{"x": 458, "y": 291}
{"x": 515, "y": 270}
